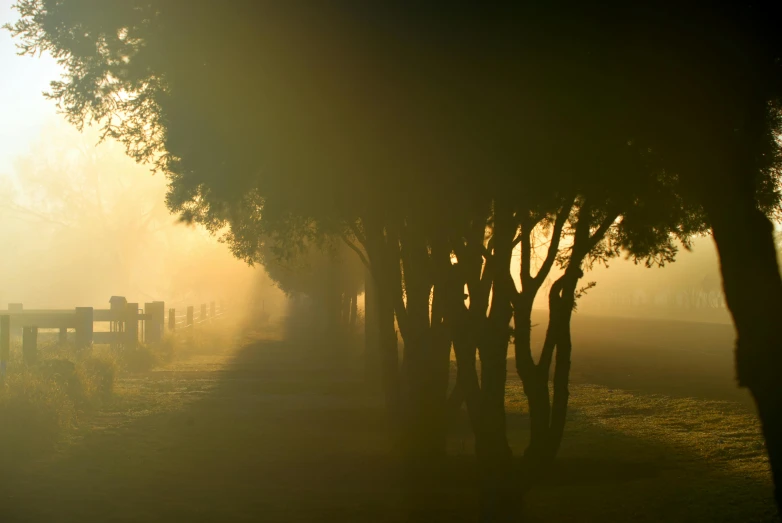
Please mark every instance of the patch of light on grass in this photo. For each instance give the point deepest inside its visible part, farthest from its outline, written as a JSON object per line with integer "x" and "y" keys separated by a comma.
{"x": 720, "y": 432}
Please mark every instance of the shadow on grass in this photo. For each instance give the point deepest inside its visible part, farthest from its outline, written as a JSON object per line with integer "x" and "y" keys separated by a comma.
{"x": 281, "y": 438}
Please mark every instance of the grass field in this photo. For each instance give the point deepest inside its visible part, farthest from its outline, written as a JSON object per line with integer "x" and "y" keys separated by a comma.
{"x": 252, "y": 430}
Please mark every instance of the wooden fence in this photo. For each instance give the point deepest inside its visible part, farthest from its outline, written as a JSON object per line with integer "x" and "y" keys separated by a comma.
{"x": 127, "y": 325}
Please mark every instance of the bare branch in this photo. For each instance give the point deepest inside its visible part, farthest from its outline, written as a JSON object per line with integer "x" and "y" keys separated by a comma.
{"x": 556, "y": 236}
{"x": 26, "y": 211}
{"x": 357, "y": 233}
{"x": 601, "y": 231}
{"x": 358, "y": 251}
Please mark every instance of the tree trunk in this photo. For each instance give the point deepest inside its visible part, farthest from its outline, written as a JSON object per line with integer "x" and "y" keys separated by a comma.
{"x": 426, "y": 367}
{"x": 467, "y": 389}
{"x": 425, "y": 383}
{"x": 753, "y": 293}
{"x": 462, "y": 331}
{"x": 534, "y": 378}
{"x": 492, "y": 450}
{"x": 389, "y": 360}
{"x": 491, "y": 442}
{"x": 346, "y": 306}
{"x": 564, "y": 343}
{"x": 539, "y": 400}
{"x": 333, "y": 310}
{"x": 561, "y": 394}
{"x": 353, "y": 311}
{"x": 371, "y": 331}
{"x": 379, "y": 303}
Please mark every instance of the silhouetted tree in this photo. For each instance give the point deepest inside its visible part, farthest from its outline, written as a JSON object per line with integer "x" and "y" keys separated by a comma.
{"x": 330, "y": 274}
{"x": 705, "y": 101}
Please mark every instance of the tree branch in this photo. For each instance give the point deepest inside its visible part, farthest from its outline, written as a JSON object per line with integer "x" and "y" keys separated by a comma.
{"x": 547, "y": 353}
{"x": 355, "y": 248}
{"x": 394, "y": 258}
{"x": 601, "y": 231}
{"x": 357, "y": 233}
{"x": 526, "y": 256}
{"x": 556, "y": 236}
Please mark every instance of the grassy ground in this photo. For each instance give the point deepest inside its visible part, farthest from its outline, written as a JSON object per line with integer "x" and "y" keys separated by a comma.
{"x": 238, "y": 430}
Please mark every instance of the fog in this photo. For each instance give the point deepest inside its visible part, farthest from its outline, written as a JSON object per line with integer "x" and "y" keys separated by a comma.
{"x": 351, "y": 187}
{"x": 687, "y": 289}
{"x": 84, "y": 222}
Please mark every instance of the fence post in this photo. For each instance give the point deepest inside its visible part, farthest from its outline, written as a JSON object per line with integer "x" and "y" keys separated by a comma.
{"x": 154, "y": 314}
{"x": 131, "y": 326}
{"x": 16, "y": 332}
{"x": 5, "y": 343}
{"x": 189, "y": 321}
{"x": 63, "y": 339}
{"x": 84, "y": 327}
{"x": 30, "y": 345}
{"x": 171, "y": 319}
{"x": 160, "y": 319}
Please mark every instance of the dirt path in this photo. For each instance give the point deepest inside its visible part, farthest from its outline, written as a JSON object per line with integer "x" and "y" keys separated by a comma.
{"x": 236, "y": 437}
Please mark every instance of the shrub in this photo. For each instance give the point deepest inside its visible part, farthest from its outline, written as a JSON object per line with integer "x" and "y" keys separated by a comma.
{"x": 35, "y": 410}
{"x": 96, "y": 375}
{"x": 86, "y": 374}
{"x": 146, "y": 355}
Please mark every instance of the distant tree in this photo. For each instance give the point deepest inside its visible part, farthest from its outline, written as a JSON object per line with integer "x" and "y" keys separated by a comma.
{"x": 330, "y": 274}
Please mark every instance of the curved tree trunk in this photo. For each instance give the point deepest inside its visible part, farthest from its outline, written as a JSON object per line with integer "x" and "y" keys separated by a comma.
{"x": 389, "y": 361}
{"x": 345, "y": 315}
{"x": 491, "y": 441}
{"x": 753, "y": 293}
{"x": 371, "y": 332}
{"x": 547, "y": 413}
{"x": 353, "y": 311}
{"x": 466, "y": 389}
{"x": 426, "y": 367}
{"x": 379, "y": 303}
{"x": 561, "y": 391}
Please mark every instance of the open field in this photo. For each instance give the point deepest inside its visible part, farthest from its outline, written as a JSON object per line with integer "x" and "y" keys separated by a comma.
{"x": 253, "y": 430}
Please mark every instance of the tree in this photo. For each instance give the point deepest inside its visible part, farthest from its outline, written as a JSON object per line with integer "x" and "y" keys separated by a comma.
{"x": 706, "y": 100}
{"x": 329, "y": 274}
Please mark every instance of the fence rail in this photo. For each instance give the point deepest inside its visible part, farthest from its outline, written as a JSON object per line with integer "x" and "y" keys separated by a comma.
{"x": 128, "y": 324}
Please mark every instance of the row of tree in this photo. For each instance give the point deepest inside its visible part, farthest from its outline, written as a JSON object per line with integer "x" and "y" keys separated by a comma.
{"x": 434, "y": 142}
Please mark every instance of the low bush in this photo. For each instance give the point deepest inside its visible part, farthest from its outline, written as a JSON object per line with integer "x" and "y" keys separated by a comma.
{"x": 40, "y": 403}
{"x": 146, "y": 355}
{"x": 35, "y": 411}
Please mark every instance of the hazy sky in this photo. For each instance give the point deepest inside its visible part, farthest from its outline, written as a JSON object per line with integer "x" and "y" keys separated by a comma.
{"x": 22, "y": 106}
{"x": 71, "y": 204}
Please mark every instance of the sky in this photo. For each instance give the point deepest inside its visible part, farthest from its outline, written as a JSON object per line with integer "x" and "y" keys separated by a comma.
{"x": 23, "y": 108}
{"x": 32, "y": 134}
{"x": 83, "y": 221}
